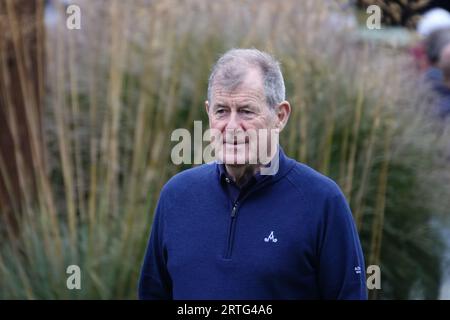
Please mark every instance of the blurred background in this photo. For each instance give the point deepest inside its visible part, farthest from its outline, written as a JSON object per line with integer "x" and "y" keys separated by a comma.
{"x": 86, "y": 117}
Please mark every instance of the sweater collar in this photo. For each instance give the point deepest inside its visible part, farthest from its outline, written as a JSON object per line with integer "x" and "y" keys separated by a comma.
{"x": 284, "y": 165}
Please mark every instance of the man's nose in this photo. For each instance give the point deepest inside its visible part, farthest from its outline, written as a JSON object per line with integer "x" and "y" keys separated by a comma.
{"x": 233, "y": 122}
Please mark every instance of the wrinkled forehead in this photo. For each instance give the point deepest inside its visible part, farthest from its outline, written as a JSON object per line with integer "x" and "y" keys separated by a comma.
{"x": 238, "y": 82}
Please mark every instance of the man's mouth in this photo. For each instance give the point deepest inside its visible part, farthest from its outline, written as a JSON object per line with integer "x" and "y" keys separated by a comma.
{"x": 236, "y": 142}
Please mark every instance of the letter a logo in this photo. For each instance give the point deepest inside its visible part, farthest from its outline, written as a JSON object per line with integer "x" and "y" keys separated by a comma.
{"x": 271, "y": 237}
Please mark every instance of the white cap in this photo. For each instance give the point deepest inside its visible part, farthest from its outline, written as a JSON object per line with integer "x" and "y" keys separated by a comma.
{"x": 432, "y": 20}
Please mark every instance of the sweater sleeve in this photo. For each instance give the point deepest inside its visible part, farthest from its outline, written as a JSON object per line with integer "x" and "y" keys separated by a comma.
{"x": 155, "y": 282}
{"x": 341, "y": 262}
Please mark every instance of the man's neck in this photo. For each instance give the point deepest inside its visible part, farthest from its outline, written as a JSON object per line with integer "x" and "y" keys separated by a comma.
{"x": 241, "y": 174}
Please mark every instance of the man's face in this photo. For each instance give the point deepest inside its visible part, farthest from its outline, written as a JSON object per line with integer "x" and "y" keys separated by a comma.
{"x": 237, "y": 116}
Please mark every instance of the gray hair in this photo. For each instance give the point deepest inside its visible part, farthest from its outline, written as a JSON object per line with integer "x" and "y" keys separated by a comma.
{"x": 230, "y": 69}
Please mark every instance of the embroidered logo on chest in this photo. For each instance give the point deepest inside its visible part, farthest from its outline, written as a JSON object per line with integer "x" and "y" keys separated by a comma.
{"x": 271, "y": 237}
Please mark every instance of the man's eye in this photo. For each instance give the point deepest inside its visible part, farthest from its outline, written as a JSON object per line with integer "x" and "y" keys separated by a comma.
{"x": 220, "y": 111}
{"x": 247, "y": 112}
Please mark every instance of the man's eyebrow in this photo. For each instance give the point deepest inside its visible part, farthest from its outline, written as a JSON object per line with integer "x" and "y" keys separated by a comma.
{"x": 248, "y": 105}
{"x": 219, "y": 105}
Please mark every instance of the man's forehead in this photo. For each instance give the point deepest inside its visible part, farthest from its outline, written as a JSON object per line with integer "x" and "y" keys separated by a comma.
{"x": 250, "y": 87}
{"x": 222, "y": 96}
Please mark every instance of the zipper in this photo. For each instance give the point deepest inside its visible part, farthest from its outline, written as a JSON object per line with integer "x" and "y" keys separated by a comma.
{"x": 231, "y": 231}
{"x": 233, "y": 217}
{"x": 233, "y": 211}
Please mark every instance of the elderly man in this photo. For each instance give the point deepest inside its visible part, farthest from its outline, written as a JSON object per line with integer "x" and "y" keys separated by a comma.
{"x": 231, "y": 229}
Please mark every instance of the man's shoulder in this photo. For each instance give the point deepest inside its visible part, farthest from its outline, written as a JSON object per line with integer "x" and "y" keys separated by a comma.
{"x": 318, "y": 192}
{"x": 191, "y": 178}
{"x": 310, "y": 181}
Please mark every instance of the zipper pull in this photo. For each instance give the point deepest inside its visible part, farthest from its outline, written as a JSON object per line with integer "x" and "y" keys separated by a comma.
{"x": 233, "y": 211}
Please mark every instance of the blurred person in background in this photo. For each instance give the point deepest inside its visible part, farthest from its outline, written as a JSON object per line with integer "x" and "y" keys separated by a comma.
{"x": 433, "y": 29}
{"x": 442, "y": 88}
{"x": 434, "y": 45}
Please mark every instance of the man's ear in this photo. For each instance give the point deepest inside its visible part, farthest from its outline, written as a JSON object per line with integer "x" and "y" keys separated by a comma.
{"x": 207, "y": 106}
{"x": 283, "y": 112}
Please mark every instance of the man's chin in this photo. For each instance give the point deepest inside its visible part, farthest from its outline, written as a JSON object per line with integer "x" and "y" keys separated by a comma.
{"x": 235, "y": 159}
{"x": 230, "y": 161}
{"x": 235, "y": 166}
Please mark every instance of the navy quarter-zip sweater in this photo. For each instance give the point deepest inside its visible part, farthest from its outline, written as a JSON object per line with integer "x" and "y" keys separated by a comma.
{"x": 286, "y": 236}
